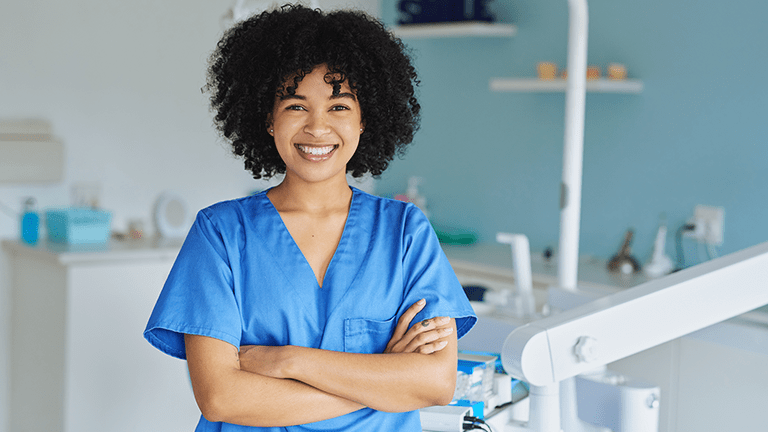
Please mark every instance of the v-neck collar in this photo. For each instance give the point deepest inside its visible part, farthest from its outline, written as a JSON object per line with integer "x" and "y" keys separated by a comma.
{"x": 299, "y": 285}
{"x": 292, "y": 260}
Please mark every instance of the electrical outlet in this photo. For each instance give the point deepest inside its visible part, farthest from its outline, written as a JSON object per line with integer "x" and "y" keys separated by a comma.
{"x": 709, "y": 223}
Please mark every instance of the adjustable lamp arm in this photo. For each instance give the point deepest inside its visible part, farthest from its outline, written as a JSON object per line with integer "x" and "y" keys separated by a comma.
{"x": 561, "y": 346}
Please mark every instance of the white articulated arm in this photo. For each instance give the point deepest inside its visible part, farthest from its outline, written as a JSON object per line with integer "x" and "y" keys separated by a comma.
{"x": 524, "y": 303}
{"x": 578, "y": 340}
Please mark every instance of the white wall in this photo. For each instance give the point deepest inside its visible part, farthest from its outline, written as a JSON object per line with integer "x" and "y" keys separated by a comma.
{"x": 120, "y": 83}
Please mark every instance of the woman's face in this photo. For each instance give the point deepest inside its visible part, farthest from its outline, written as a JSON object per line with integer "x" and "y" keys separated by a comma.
{"x": 316, "y": 132}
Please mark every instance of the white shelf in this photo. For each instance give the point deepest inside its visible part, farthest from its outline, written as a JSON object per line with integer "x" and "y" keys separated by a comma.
{"x": 535, "y": 85}
{"x": 455, "y": 29}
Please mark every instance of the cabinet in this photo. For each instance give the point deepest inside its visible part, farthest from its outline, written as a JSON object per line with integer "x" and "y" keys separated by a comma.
{"x": 78, "y": 359}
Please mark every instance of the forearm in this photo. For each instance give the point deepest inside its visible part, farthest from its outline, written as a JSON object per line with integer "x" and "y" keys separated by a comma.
{"x": 418, "y": 367}
{"x": 226, "y": 393}
{"x": 393, "y": 382}
{"x": 254, "y": 400}
{"x": 386, "y": 382}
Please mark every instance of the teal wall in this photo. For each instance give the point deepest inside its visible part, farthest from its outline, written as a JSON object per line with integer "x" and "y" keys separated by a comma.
{"x": 698, "y": 134}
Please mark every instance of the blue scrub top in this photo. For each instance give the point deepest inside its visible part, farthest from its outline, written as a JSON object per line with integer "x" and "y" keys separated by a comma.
{"x": 241, "y": 278}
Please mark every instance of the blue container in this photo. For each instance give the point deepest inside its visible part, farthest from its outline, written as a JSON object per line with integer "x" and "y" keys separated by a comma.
{"x": 30, "y": 227}
{"x": 78, "y": 225}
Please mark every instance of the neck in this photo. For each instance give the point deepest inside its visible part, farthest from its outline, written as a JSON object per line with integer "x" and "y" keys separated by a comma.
{"x": 296, "y": 195}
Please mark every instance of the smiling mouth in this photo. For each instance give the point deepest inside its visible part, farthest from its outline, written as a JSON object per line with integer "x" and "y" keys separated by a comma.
{"x": 316, "y": 150}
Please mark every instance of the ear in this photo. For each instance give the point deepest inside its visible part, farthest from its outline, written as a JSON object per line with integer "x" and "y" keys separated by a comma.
{"x": 362, "y": 126}
{"x": 270, "y": 129}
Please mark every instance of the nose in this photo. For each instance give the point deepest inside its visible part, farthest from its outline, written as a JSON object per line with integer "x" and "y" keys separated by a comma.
{"x": 317, "y": 124}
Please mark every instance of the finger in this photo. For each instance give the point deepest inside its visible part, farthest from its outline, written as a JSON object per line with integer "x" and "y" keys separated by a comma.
{"x": 410, "y": 313}
{"x": 404, "y": 322}
{"x": 406, "y": 340}
{"x": 435, "y": 323}
{"x": 427, "y": 325}
{"x": 427, "y": 338}
{"x": 432, "y": 348}
{"x": 414, "y": 343}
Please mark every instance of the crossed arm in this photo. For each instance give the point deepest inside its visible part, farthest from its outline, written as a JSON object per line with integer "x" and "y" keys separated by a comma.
{"x": 264, "y": 386}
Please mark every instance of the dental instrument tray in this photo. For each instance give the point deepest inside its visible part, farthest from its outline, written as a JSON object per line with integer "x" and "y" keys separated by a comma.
{"x": 78, "y": 225}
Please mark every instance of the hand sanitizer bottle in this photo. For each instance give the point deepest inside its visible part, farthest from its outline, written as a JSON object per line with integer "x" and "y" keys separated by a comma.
{"x": 30, "y": 223}
{"x": 414, "y": 196}
{"x": 660, "y": 263}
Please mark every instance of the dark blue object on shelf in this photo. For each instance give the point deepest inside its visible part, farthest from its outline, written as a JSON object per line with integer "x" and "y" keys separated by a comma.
{"x": 434, "y": 11}
{"x": 474, "y": 292}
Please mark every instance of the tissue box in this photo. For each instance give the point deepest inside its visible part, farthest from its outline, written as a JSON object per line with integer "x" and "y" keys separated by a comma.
{"x": 78, "y": 225}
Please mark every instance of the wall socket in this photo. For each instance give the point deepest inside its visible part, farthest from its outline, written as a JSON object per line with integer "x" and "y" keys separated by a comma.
{"x": 709, "y": 222}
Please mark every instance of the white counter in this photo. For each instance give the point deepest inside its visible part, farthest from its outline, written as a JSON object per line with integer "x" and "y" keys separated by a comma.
{"x": 129, "y": 250}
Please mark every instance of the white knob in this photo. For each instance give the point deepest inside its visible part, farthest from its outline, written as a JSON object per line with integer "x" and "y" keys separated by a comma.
{"x": 586, "y": 349}
{"x": 652, "y": 401}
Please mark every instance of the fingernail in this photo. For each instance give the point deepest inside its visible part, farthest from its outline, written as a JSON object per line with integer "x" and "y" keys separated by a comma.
{"x": 449, "y": 330}
{"x": 442, "y": 320}
{"x": 422, "y": 301}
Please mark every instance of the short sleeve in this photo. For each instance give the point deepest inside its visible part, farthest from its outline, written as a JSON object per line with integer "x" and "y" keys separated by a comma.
{"x": 198, "y": 296}
{"x": 429, "y": 275}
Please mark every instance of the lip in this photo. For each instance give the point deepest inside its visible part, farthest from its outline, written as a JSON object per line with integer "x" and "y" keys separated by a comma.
{"x": 316, "y": 157}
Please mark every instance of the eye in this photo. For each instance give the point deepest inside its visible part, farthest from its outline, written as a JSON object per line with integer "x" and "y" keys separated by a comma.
{"x": 339, "y": 108}
{"x": 295, "y": 108}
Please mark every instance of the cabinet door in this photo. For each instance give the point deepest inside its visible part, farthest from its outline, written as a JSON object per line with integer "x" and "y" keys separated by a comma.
{"x": 115, "y": 380}
{"x": 722, "y": 388}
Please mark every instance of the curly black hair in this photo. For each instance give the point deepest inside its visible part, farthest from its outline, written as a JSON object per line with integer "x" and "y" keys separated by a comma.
{"x": 255, "y": 58}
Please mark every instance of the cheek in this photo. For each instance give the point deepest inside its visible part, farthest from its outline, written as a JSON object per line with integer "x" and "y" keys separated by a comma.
{"x": 282, "y": 141}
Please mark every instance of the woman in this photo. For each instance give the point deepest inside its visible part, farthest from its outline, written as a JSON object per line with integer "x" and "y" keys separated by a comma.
{"x": 292, "y": 307}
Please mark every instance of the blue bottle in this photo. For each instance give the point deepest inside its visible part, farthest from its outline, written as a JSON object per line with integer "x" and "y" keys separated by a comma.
{"x": 30, "y": 223}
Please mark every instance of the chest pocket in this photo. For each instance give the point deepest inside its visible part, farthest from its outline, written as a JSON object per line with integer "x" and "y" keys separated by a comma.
{"x": 366, "y": 336}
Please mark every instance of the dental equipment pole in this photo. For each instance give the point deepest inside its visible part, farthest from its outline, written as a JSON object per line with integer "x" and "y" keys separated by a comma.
{"x": 548, "y": 397}
{"x": 543, "y": 353}
{"x": 573, "y": 146}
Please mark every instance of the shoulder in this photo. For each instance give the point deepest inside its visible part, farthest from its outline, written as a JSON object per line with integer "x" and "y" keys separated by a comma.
{"x": 393, "y": 218}
{"x": 224, "y": 213}
{"x": 390, "y": 208}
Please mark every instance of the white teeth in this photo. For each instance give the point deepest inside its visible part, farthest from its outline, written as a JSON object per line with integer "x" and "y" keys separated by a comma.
{"x": 316, "y": 151}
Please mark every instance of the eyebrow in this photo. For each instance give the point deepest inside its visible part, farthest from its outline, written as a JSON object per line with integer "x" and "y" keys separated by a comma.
{"x": 336, "y": 96}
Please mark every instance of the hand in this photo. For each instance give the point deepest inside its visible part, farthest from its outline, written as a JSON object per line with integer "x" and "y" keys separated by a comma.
{"x": 423, "y": 337}
{"x": 264, "y": 360}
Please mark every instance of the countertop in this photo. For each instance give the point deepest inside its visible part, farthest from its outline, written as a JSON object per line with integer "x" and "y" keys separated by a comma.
{"x": 497, "y": 259}
{"x": 113, "y": 250}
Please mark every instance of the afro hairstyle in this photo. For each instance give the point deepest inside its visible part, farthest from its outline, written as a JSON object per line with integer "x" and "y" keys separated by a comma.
{"x": 256, "y": 58}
